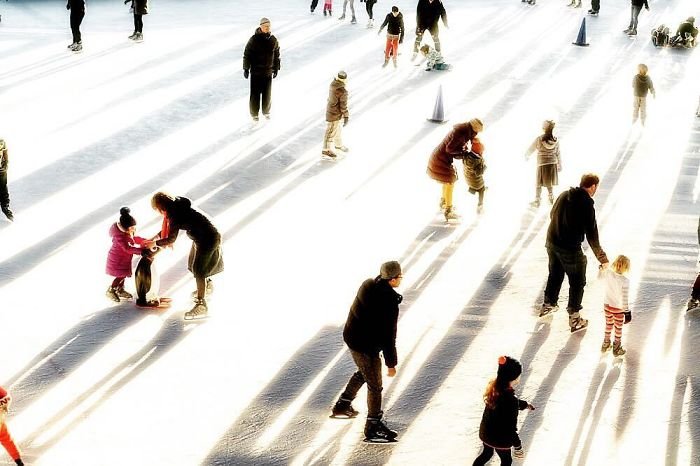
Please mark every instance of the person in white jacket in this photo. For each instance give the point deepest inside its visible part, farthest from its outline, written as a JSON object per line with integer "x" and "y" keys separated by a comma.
{"x": 616, "y": 302}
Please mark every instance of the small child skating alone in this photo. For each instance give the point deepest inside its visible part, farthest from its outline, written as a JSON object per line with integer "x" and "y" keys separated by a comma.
{"x": 4, "y": 193}
{"x": 642, "y": 85}
{"x": 498, "y": 430}
{"x": 394, "y": 34}
{"x": 5, "y": 437}
{"x": 616, "y": 304}
{"x": 434, "y": 59}
{"x": 124, "y": 246}
{"x": 474, "y": 167}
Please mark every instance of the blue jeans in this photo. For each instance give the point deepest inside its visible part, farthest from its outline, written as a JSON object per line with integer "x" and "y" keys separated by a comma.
{"x": 635, "y": 15}
{"x": 573, "y": 265}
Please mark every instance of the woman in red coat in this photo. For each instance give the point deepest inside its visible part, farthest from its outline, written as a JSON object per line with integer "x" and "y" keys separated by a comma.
{"x": 440, "y": 168}
{"x": 124, "y": 246}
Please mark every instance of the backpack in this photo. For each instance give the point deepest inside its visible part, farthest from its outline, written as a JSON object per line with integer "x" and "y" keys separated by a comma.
{"x": 660, "y": 36}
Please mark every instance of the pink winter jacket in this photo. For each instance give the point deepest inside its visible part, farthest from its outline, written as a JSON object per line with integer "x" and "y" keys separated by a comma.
{"x": 123, "y": 247}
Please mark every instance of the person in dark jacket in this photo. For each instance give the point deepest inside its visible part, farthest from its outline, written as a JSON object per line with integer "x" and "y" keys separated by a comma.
{"x": 637, "y": 6}
{"x": 642, "y": 85}
{"x": 261, "y": 62}
{"x": 499, "y": 423}
{"x": 206, "y": 258}
{"x": 336, "y": 111}
{"x": 686, "y": 34}
{"x": 572, "y": 217}
{"x": 77, "y": 13}
{"x": 394, "y": 34}
{"x": 369, "y": 330}
{"x": 140, "y": 8}
{"x": 4, "y": 193}
{"x": 440, "y": 166}
{"x": 428, "y": 13}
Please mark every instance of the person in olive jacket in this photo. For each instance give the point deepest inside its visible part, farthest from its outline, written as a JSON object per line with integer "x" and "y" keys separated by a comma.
{"x": 140, "y": 8}
{"x": 499, "y": 423}
{"x": 336, "y": 112}
{"x": 370, "y": 329}
{"x": 428, "y": 13}
{"x": 261, "y": 62}
{"x": 77, "y": 13}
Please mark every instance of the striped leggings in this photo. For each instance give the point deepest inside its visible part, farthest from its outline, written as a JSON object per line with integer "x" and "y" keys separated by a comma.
{"x": 614, "y": 317}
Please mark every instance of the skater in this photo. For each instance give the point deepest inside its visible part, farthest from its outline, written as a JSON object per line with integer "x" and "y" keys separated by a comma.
{"x": 369, "y": 6}
{"x": 575, "y": 3}
{"x": 394, "y": 35}
{"x": 328, "y": 7}
{"x": 314, "y": 4}
{"x": 642, "y": 85}
{"x": 336, "y": 111}
{"x": 369, "y": 330}
{"x": 428, "y": 13}
{"x": 77, "y": 13}
{"x": 474, "y": 167}
{"x": 124, "y": 246}
{"x": 261, "y": 61}
{"x": 440, "y": 166}
{"x": 686, "y": 34}
{"x": 548, "y": 162}
{"x": 434, "y": 60}
{"x": 352, "y": 10}
{"x": 140, "y": 8}
{"x": 206, "y": 258}
{"x": 4, "y": 193}
{"x": 572, "y": 218}
{"x": 634, "y": 18}
{"x": 595, "y": 8}
{"x": 498, "y": 429}
{"x": 694, "y": 300}
{"x": 5, "y": 437}
{"x": 616, "y": 304}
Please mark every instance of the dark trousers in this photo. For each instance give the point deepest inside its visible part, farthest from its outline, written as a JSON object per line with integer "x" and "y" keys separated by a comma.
{"x": 595, "y": 5}
{"x": 573, "y": 264}
{"x": 76, "y": 17}
{"x": 4, "y": 193}
{"x": 696, "y": 287}
{"x": 434, "y": 33}
{"x": 634, "y": 17}
{"x": 138, "y": 23}
{"x": 369, "y": 371}
{"x": 486, "y": 455}
{"x": 369, "y": 5}
{"x": 260, "y": 86}
{"x": 314, "y": 4}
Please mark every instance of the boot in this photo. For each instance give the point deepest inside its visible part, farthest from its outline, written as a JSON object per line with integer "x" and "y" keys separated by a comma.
{"x": 132, "y": 36}
{"x": 480, "y": 209}
{"x": 111, "y": 293}
{"x": 618, "y": 350}
{"x": 139, "y": 37}
{"x": 8, "y": 213}
{"x": 548, "y": 309}
{"x": 442, "y": 203}
{"x": 122, "y": 293}
{"x": 606, "y": 346}
{"x": 199, "y": 310}
{"x": 386, "y": 62}
{"x": 353, "y": 20}
{"x": 535, "y": 203}
{"x": 578, "y": 5}
{"x": 377, "y": 431}
{"x": 550, "y": 197}
{"x": 692, "y": 304}
{"x": 396, "y": 65}
{"x": 450, "y": 214}
{"x": 343, "y": 409}
{"x": 573, "y": 2}
{"x": 576, "y": 322}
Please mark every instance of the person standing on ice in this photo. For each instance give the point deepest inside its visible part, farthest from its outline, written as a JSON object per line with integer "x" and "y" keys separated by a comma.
{"x": 369, "y": 6}
{"x": 77, "y": 13}
{"x": 352, "y": 10}
{"x": 428, "y": 13}
{"x": 548, "y": 162}
{"x": 206, "y": 258}
{"x": 370, "y": 329}
{"x": 637, "y": 6}
{"x": 440, "y": 165}
{"x": 140, "y": 8}
{"x": 572, "y": 218}
{"x": 616, "y": 303}
{"x": 642, "y": 85}
{"x": 394, "y": 34}
{"x": 336, "y": 111}
{"x": 124, "y": 246}
{"x": 499, "y": 423}
{"x": 4, "y": 193}
{"x": 261, "y": 62}
{"x": 5, "y": 437}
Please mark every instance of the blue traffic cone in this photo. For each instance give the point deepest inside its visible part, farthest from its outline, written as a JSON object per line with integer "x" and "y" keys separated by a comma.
{"x": 439, "y": 110}
{"x": 581, "y": 39}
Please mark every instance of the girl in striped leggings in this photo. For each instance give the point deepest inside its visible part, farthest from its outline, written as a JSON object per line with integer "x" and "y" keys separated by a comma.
{"x": 616, "y": 302}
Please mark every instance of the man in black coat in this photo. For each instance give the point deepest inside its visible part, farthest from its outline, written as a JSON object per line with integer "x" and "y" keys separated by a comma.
{"x": 369, "y": 330}
{"x": 637, "y": 6}
{"x": 427, "y": 15}
{"x": 261, "y": 62}
{"x": 77, "y": 13}
{"x": 572, "y": 218}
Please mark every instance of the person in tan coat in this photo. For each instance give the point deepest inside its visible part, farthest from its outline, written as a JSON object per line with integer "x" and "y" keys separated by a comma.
{"x": 336, "y": 112}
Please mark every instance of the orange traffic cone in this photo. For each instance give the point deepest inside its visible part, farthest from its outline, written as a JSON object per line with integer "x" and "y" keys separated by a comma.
{"x": 439, "y": 110}
{"x": 581, "y": 39}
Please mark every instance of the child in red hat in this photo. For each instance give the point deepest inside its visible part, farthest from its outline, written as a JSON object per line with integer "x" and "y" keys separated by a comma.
{"x": 5, "y": 437}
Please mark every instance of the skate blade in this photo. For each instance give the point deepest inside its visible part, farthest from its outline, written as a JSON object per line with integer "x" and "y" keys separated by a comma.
{"x": 193, "y": 318}
{"x": 380, "y": 441}
{"x": 342, "y": 416}
{"x": 579, "y": 329}
{"x": 162, "y": 305}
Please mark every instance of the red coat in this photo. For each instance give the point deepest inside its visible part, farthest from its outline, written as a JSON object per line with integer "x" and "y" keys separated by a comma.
{"x": 453, "y": 146}
{"x": 123, "y": 247}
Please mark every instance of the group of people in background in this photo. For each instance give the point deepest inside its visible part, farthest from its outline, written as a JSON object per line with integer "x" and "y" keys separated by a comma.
{"x": 77, "y": 13}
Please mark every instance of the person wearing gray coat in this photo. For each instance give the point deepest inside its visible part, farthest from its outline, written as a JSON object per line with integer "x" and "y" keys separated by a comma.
{"x": 548, "y": 162}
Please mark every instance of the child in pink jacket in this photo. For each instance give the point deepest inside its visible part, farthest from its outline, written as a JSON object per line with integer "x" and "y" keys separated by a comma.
{"x": 5, "y": 437}
{"x": 124, "y": 246}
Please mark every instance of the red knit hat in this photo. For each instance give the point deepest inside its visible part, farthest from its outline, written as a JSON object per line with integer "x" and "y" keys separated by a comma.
{"x": 3, "y": 393}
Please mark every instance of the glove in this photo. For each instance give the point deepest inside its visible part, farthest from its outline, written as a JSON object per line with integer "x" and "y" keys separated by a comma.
{"x": 628, "y": 317}
{"x": 274, "y": 74}
{"x": 126, "y": 1}
{"x": 345, "y": 121}
{"x": 400, "y": 41}
{"x": 518, "y": 452}
{"x": 246, "y": 73}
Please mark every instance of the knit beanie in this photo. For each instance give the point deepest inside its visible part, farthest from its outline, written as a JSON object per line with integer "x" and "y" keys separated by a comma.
{"x": 509, "y": 369}
{"x": 264, "y": 21}
{"x": 125, "y": 219}
{"x": 3, "y": 393}
{"x": 389, "y": 270}
{"x": 342, "y": 76}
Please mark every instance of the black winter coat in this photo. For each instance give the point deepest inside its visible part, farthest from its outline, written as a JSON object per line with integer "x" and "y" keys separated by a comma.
{"x": 262, "y": 54}
{"x": 372, "y": 320}
{"x": 140, "y": 6}
{"x": 427, "y": 15}
{"x": 76, "y": 5}
{"x": 640, "y": 3}
{"x": 394, "y": 25}
{"x": 572, "y": 218}
{"x": 199, "y": 228}
{"x": 499, "y": 426}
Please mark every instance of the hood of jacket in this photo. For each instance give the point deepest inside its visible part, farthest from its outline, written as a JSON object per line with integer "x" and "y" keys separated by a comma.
{"x": 116, "y": 230}
{"x": 337, "y": 84}
{"x": 549, "y": 145}
{"x": 264, "y": 34}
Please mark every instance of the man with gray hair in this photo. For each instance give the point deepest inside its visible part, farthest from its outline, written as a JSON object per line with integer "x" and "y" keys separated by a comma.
{"x": 261, "y": 62}
{"x": 369, "y": 330}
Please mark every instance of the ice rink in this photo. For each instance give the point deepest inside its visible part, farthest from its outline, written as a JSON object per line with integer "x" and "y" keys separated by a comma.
{"x": 97, "y": 383}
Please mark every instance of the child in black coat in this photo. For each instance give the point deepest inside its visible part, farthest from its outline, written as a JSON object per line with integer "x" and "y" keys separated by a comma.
{"x": 499, "y": 423}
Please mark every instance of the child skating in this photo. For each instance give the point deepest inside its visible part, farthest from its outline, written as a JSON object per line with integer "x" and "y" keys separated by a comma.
{"x": 498, "y": 430}
{"x": 328, "y": 7}
{"x": 642, "y": 85}
{"x": 548, "y": 162}
{"x": 434, "y": 60}
{"x": 5, "y": 437}
{"x": 139, "y": 8}
{"x": 474, "y": 167}
{"x": 394, "y": 34}
{"x": 616, "y": 304}
{"x": 124, "y": 246}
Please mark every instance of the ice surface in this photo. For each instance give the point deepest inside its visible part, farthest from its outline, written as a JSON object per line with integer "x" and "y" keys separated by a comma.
{"x": 102, "y": 384}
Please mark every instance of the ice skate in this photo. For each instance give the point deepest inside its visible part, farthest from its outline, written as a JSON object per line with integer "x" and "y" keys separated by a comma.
{"x": 618, "y": 350}
{"x": 377, "y": 432}
{"x": 386, "y": 62}
{"x": 133, "y": 36}
{"x": 480, "y": 209}
{"x": 342, "y": 17}
{"x": 535, "y": 203}
{"x": 693, "y": 304}
{"x": 577, "y": 323}
{"x": 396, "y": 65}
{"x": 77, "y": 47}
{"x": 414, "y": 55}
{"x": 267, "y": 116}
{"x": 8, "y": 213}
{"x": 627, "y": 31}
{"x": 72, "y": 44}
{"x": 139, "y": 37}
{"x": 123, "y": 294}
{"x": 342, "y": 148}
{"x": 353, "y": 20}
{"x": 605, "y": 346}
{"x": 325, "y": 13}
{"x": 547, "y": 309}
{"x": 442, "y": 204}
{"x": 632, "y": 33}
{"x": 450, "y": 214}
{"x": 343, "y": 410}
{"x": 111, "y": 293}
{"x": 550, "y": 198}
{"x": 573, "y": 2}
{"x": 328, "y": 155}
{"x": 199, "y": 311}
